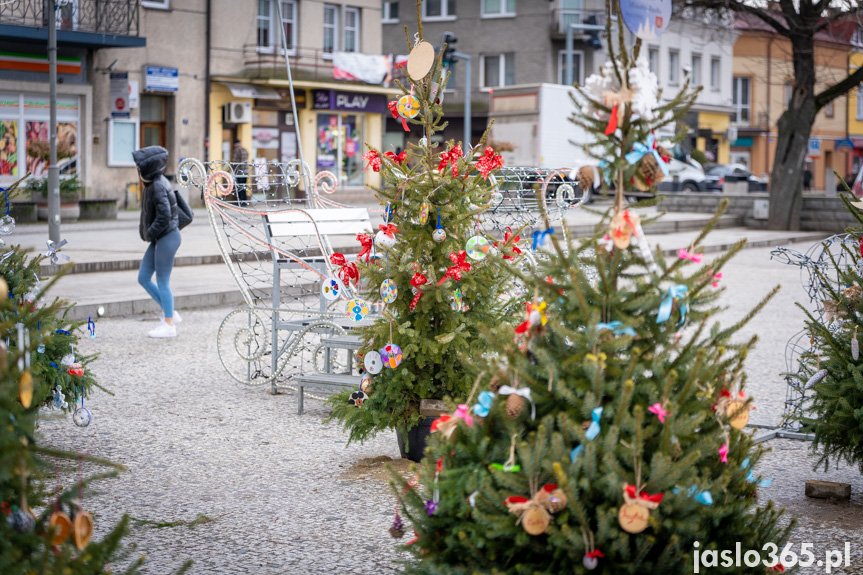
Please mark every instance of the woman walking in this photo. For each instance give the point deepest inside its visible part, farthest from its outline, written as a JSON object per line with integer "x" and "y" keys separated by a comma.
{"x": 159, "y": 226}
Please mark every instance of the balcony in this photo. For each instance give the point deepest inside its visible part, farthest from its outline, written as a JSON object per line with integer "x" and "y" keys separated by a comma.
{"x": 561, "y": 18}
{"x": 83, "y": 23}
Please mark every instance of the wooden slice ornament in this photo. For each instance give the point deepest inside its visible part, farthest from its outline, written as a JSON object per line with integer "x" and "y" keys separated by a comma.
{"x": 62, "y": 526}
{"x": 82, "y": 529}
{"x": 25, "y": 389}
{"x": 633, "y": 518}
{"x": 535, "y": 521}
{"x": 420, "y": 60}
{"x": 619, "y": 231}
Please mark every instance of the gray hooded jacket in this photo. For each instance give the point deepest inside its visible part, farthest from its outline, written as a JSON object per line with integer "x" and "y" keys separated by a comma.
{"x": 158, "y": 203}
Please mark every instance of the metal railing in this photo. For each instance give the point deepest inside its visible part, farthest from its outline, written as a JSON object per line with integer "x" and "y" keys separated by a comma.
{"x": 561, "y": 18}
{"x": 114, "y": 17}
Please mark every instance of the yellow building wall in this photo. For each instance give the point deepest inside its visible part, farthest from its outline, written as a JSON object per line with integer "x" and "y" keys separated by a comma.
{"x": 855, "y": 126}
{"x": 219, "y": 97}
{"x": 718, "y": 124}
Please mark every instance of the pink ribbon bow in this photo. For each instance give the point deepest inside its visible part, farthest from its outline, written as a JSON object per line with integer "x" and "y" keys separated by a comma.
{"x": 461, "y": 265}
{"x": 659, "y": 411}
{"x": 488, "y": 162}
{"x": 374, "y": 160}
{"x": 717, "y": 277}
{"x": 723, "y": 453}
{"x": 453, "y": 156}
{"x": 685, "y": 255}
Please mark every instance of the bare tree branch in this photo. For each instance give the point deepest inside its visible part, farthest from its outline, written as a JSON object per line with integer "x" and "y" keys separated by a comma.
{"x": 838, "y": 15}
{"x": 832, "y": 92}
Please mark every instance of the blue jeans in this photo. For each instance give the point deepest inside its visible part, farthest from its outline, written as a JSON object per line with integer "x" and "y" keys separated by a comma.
{"x": 159, "y": 259}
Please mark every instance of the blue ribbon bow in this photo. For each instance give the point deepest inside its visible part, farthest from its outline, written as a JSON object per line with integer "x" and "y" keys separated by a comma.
{"x": 483, "y": 405}
{"x": 539, "y": 237}
{"x": 617, "y": 328}
{"x": 640, "y": 150}
{"x": 590, "y": 434}
{"x": 674, "y": 292}
{"x": 703, "y": 497}
{"x": 750, "y": 477}
{"x": 91, "y": 327}
{"x": 63, "y": 332}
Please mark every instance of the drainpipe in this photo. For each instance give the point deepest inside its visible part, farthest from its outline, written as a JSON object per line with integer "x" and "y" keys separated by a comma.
{"x": 207, "y": 85}
{"x": 767, "y": 135}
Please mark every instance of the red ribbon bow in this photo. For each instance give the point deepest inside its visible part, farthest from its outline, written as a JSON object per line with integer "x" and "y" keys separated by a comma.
{"x": 397, "y": 159}
{"x": 594, "y": 554}
{"x": 416, "y": 282}
{"x": 644, "y": 496}
{"x": 488, "y": 162}
{"x": 347, "y": 270}
{"x": 461, "y": 265}
{"x": 366, "y": 242}
{"x": 389, "y": 229}
{"x": 453, "y": 156}
{"x": 515, "y": 249}
{"x": 374, "y": 160}
{"x": 394, "y": 110}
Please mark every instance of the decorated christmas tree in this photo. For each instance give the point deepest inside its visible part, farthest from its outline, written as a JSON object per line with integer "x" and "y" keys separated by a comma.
{"x": 437, "y": 274}
{"x": 831, "y": 371}
{"x": 605, "y": 432}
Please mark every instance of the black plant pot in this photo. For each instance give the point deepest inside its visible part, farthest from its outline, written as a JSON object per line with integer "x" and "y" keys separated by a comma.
{"x": 416, "y": 439}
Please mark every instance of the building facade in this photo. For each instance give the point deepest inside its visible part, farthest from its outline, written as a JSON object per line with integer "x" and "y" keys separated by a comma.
{"x": 762, "y": 86}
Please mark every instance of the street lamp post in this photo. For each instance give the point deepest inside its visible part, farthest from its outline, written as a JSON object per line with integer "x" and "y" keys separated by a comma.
{"x": 53, "y": 169}
{"x": 569, "y": 42}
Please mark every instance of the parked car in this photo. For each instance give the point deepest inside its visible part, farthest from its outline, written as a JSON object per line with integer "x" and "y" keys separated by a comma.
{"x": 688, "y": 172}
{"x": 714, "y": 177}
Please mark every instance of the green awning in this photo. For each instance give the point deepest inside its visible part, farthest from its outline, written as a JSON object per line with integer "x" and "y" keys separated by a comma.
{"x": 742, "y": 143}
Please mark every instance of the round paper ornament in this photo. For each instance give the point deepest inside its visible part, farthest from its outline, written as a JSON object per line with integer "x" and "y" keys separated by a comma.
{"x": 439, "y": 234}
{"x": 384, "y": 240}
{"x": 408, "y": 106}
{"x": 25, "y": 389}
{"x": 358, "y": 398}
{"x": 420, "y": 60}
{"x": 373, "y": 362}
{"x": 424, "y": 214}
{"x": 366, "y": 384}
{"x": 331, "y": 288}
{"x": 82, "y": 529}
{"x": 423, "y": 142}
{"x": 477, "y": 248}
{"x": 391, "y": 355}
{"x": 82, "y": 417}
{"x": 62, "y": 526}
{"x": 536, "y": 521}
{"x": 389, "y": 291}
{"x": 590, "y": 563}
{"x": 22, "y": 521}
{"x": 357, "y": 309}
{"x": 633, "y": 518}
{"x": 7, "y": 225}
{"x": 738, "y": 413}
{"x": 496, "y": 198}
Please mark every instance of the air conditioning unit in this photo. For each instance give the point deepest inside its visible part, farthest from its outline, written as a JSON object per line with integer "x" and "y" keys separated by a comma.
{"x": 238, "y": 112}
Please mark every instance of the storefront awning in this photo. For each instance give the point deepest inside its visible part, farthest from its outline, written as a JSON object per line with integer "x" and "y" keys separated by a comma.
{"x": 858, "y": 142}
{"x": 742, "y": 143}
{"x": 252, "y": 91}
{"x": 844, "y": 144}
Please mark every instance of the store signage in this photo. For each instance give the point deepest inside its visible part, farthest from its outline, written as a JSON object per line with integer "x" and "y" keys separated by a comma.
{"x": 120, "y": 95}
{"x": 349, "y": 101}
{"x": 133, "y": 93}
{"x": 161, "y": 79}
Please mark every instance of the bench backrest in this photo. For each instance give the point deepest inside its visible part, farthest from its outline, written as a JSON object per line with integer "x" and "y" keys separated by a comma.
{"x": 327, "y": 222}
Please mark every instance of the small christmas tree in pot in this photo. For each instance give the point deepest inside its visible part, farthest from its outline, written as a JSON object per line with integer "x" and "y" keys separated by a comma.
{"x": 609, "y": 435}
{"x": 431, "y": 266}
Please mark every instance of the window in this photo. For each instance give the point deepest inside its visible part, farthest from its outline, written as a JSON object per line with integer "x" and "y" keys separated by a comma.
{"x": 828, "y": 109}
{"x": 153, "y": 121}
{"x": 577, "y": 61}
{"x": 740, "y": 100}
{"x": 714, "y": 73}
{"x": 492, "y": 8}
{"x": 352, "y": 30}
{"x": 331, "y": 25}
{"x": 653, "y": 59}
{"x": 122, "y": 141}
{"x": 161, "y": 4}
{"x": 673, "y": 66}
{"x": 498, "y": 70}
{"x": 269, "y": 35}
{"x": 391, "y": 13}
{"x": 439, "y": 10}
{"x": 696, "y": 69}
{"x": 860, "y": 102}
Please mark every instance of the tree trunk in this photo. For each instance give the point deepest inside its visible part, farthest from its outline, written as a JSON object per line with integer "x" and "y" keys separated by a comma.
{"x": 786, "y": 178}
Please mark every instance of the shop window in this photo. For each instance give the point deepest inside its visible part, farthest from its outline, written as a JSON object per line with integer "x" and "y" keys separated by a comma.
{"x": 498, "y": 70}
{"x": 577, "y": 60}
{"x": 391, "y": 13}
{"x": 153, "y": 121}
{"x": 269, "y": 35}
{"x": 439, "y": 10}
{"x": 340, "y": 140}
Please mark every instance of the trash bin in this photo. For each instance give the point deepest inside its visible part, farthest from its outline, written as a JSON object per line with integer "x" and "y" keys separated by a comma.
{"x": 735, "y": 184}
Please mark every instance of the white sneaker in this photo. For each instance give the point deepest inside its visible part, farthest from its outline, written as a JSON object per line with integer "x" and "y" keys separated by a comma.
{"x": 164, "y": 330}
{"x": 177, "y": 318}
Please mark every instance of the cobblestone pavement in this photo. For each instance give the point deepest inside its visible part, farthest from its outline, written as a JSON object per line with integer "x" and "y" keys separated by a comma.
{"x": 197, "y": 443}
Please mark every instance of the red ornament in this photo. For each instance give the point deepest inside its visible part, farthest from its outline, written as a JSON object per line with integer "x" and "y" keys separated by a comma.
{"x": 396, "y": 159}
{"x": 416, "y": 282}
{"x": 389, "y": 229}
{"x": 75, "y": 369}
{"x": 374, "y": 160}
{"x": 451, "y": 157}
{"x": 612, "y": 122}
{"x": 347, "y": 270}
{"x": 488, "y": 162}
{"x": 460, "y": 265}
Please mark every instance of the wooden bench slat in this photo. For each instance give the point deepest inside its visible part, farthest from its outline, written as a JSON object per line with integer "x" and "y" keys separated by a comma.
{"x": 306, "y": 228}
{"x": 323, "y": 380}
{"x": 318, "y": 215}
